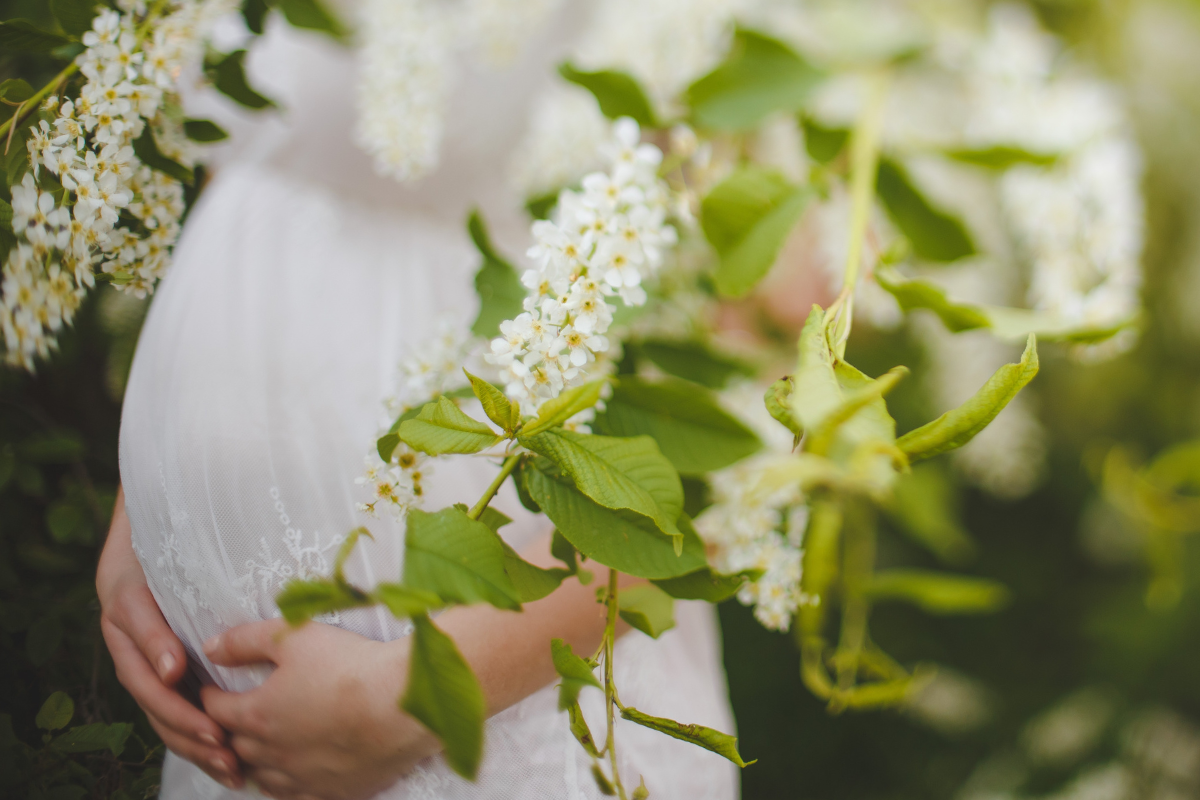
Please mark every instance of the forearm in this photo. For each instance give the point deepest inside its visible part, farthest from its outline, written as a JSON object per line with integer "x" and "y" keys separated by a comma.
{"x": 118, "y": 563}
{"x": 510, "y": 651}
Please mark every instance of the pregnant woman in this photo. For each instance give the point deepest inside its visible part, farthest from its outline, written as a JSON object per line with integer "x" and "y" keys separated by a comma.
{"x": 302, "y": 279}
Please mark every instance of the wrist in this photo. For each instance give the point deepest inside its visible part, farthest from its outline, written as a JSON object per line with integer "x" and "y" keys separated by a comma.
{"x": 408, "y": 739}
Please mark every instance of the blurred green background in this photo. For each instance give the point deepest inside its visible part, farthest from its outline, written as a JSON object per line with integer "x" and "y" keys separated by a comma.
{"x": 1077, "y": 690}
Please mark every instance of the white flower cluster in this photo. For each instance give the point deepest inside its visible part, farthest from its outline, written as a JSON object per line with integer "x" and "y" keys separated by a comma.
{"x": 602, "y": 242}
{"x": 405, "y": 77}
{"x": 748, "y": 529}
{"x": 1080, "y": 220}
{"x": 745, "y": 530}
{"x": 116, "y": 215}
{"x": 434, "y": 368}
{"x": 408, "y": 49}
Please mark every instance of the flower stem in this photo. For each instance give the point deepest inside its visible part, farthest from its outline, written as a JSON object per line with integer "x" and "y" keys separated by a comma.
{"x": 610, "y": 689}
{"x": 142, "y": 31}
{"x": 37, "y": 97}
{"x": 864, "y": 163}
{"x": 510, "y": 464}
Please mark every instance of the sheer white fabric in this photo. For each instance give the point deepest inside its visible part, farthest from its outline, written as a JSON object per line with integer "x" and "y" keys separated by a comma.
{"x": 300, "y": 280}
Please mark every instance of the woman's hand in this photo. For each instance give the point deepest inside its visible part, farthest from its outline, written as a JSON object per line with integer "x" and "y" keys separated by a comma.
{"x": 325, "y": 724}
{"x": 150, "y": 659}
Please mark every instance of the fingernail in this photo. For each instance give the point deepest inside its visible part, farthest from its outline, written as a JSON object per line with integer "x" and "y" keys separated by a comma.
{"x": 166, "y": 662}
{"x": 211, "y": 644}
{"x": 220, "y": 765}
{"x": 208, "y": 738}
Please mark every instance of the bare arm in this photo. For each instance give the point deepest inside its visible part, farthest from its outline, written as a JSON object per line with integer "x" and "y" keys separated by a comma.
{"x": 326, "y": 724}
{"x": 150, "y": 659}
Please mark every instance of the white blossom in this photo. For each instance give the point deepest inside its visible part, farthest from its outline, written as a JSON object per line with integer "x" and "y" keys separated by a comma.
{"x": 747, "y": 529}
{"x": 432, "y": 368}
{"x": 603, "y": 241}
{"x": 130, "y": 66}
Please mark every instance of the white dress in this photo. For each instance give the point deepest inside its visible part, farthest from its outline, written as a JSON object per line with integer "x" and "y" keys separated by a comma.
{"x": 299, "y": 282}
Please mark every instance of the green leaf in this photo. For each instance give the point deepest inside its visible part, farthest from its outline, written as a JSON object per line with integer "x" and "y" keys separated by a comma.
{"x": 923, "y": 508}
{"x": 457, "y": 558}
{"x": 866, "y": 394}
{"x": 541, "y": 206}
{"x": 603, "y": 784}
{"x": 531, "y": 582}
{"x": 912, "y": 294}
{"x": 823, "y": 144}
{"x": 1001, "y": 157}
{"x": 497, "y": 283}
{"x": 75, "y": 16}
{"x": 958, "y": 426}
{"x": 691, "y": 360}
{"x": 118, "y": 734}
{"x": 759, "y": 77}
{"x": 747, "y": 217}
{"x": 69, "y": 523}
{"x": 444, "y": 696}
{"x": 647, "y": 608}
{"x": 691, "y": 429}
{"x": 618, "y": 93}
{"x": 500, "y": 410}
{"x": 146, "y": 149}
{"x": 255, "y": 14}
{"x": 720, "y": 743}
{"x": 778, "y": 403}
{"x": 581, "y": 732}
{"x": 203, "y": 130}
{"x": 705, "y": 584}
{"x": 314, "y": 15}
{"x": 815, "y": 389}
{"x": 1015, "y": 324}
{"x": 22, "y": 36}
{"x": 557, "y": 410}
{"x": 622, "y": 540}
{"x": 441, "y": 427}
{"x": 301, "y": 600}
{"x": 564, "y": 551}
{"x": 938, "y": 593}
{"x": 93, "y": 737}
{"x": 386, "y": 445}
{"x": 16, "y": 90}
{"x": 7, "y": 238}
{"x": 343, "y": 553}
{"x": 228, "y": 75}
{"x": 405, "y": 601}
{"x": 574, "y": 671}
{"x": 617, "y": 473}
{"x": 56, "y": 712}
{"x": 934, "y": 234}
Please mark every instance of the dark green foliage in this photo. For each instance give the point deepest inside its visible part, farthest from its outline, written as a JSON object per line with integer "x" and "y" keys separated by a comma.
{"x": 146, "y": 149}
{"x": 933, "y": 233}
{"x": 58, "y": 477}
{"x": 228, "y": 74}
{"x": 203, "y": 130}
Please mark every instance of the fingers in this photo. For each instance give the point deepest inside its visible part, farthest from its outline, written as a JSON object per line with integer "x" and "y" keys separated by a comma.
{"x": 237, "y": 712}
{"x": 252, "y": 643}
{"x": 279, "y": 785}
{"x": 218, "y": 763}
{"x": 158, "y": 700}
{"x": 135, "y": 611}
